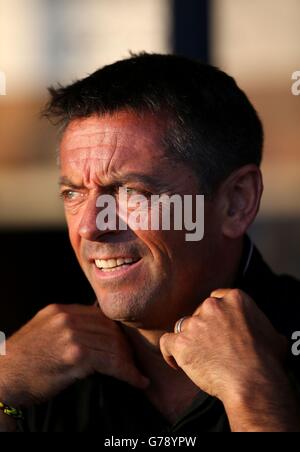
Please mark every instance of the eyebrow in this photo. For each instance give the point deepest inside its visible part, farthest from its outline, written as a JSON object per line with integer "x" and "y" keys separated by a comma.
{"x": 63, "y": 180}
{"x": 145, "y": 179}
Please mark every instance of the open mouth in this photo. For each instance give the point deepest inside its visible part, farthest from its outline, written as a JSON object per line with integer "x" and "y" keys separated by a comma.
{"x": 111, "y": 265}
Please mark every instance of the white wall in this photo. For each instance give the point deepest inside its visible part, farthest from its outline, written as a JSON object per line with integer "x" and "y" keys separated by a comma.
{"x": 42, "y": 41}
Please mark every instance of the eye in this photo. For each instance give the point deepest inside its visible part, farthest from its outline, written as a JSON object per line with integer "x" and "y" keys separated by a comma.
{"x": 136, "y": 192}
{"x": 131, "y": 191}
{"x": 70, "y": 195}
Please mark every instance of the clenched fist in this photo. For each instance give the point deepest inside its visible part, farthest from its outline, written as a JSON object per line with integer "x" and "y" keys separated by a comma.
{"x": 230, "y": 350}
{"x": 61, "y": 344}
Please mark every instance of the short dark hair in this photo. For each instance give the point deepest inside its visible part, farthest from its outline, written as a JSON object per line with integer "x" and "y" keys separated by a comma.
{"x": 213, "y": 126}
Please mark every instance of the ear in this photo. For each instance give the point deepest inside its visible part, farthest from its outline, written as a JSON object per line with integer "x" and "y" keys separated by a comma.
{"x": 240, "y": 196}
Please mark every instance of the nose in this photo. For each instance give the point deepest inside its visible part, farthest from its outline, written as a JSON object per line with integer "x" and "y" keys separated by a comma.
{"x": 89, "y": 224}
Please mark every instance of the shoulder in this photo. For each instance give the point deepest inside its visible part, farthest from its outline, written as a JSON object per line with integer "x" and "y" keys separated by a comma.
{"x": 289, "y": 285}
{"x": 276, "y": 295}
{"x": 286, "y": 298}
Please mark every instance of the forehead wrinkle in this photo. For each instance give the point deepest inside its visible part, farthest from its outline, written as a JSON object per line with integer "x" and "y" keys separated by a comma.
{"x": 104, "y": 150}
{"x": 82, "y": 140}
{"x": 96, "y": 168}
{"x": 102, "y": 154}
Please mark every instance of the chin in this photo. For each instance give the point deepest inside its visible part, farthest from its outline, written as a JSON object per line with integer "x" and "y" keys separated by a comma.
{"x": 140, "y": 308}
{"x": 120, "y": 307}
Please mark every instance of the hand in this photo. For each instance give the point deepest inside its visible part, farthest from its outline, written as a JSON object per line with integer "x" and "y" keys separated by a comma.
{"x": 61, "y": 344}
{"x": 230, "y": 350}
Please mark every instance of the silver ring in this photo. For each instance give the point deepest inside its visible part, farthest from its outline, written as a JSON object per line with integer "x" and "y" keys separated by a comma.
{"x": 178, "y": 325}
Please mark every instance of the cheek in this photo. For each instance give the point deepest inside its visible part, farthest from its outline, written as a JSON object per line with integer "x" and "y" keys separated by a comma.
{"x": 165, "y": 247}
{"x": 212, "y": 220}
{"x": 156, "y": 245}
{"x": 73, "y": 233}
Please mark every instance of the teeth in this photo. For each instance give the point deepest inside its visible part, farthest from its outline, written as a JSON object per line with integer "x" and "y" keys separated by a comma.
{"x": 111, "y": 264}
{"x": 109, "y": 269}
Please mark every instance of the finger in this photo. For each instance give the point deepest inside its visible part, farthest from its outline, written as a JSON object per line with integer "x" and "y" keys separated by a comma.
{"x": 85, "y": 318}
{"x": 82, "y": 309}
{"x": 123, "y": 369}
{"x": 167, "y": 346}
{"x": 95, "y": 341}
{"x": 113, "y": 358}
{"x": 130, "y": 374}
{"x": 55, "y": 309}
{"x": 179, "y": 325}
{"x": 220, "y": 293}
{"x": 94, "y": 323}
{"x": 231, "y": 294}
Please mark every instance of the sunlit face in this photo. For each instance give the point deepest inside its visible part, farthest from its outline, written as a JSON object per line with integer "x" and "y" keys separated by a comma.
{"x": 159, "y": 275}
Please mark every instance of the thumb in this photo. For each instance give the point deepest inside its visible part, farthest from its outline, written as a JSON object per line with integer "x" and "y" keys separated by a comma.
{"x": 220, "y": 293}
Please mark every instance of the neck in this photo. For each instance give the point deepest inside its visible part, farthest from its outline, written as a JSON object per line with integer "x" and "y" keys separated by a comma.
{"x": 170, "y": 391}
{"x": 144, "y": 341}
{"x": 148, "y": 355}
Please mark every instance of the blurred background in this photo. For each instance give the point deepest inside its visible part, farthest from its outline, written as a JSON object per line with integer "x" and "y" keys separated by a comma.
{"x": 43, "y": 42}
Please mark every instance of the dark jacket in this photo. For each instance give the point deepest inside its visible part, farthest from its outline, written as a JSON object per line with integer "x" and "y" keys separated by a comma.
{"x": 111, "y": 407}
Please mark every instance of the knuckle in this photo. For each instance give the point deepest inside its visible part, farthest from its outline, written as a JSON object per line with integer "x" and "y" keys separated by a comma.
{"x": 63, "y": 320}
{"x": 237, "y": 296}
{"x": 163, "y": 340}
{"x": 74, "y": 355}
{"x": 210, "y": 305}
{"x": 195, "y": 324}
{"x": 53, "y": 309}
{"x": 71, "y": 336}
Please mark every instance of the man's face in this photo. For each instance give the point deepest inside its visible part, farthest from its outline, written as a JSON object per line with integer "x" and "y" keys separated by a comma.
{"x": 159, "y": 275}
